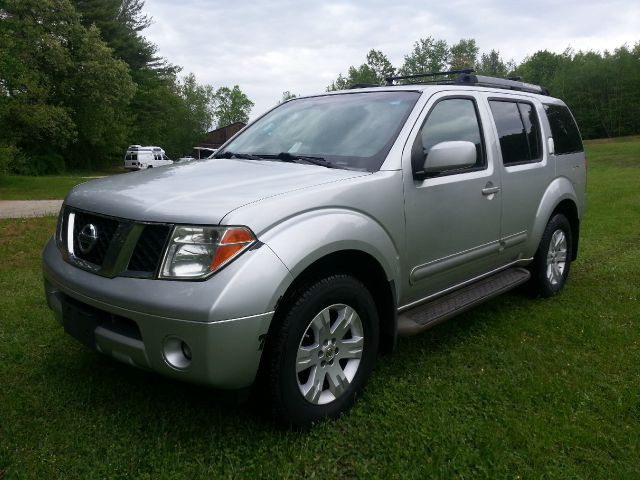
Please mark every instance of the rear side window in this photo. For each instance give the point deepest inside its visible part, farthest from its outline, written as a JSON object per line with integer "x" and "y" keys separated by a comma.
{"x": 519, "y": 131}
{"x": 566, "y": 136}
{"x": 450, "y": 120}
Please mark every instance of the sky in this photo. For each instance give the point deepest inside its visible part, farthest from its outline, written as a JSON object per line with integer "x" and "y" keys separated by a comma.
{"x": 268, "y": 47}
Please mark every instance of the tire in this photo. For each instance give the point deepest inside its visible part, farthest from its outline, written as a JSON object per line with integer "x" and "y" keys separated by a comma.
{"x": 552, "y": 261}
{"x": 314, "y": 373}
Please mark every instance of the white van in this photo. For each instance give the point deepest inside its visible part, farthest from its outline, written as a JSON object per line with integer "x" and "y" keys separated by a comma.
{"x": 139, "y": 157}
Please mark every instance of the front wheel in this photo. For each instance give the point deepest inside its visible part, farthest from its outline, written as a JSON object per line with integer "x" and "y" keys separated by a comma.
{"x": 324, "y": 350}
{"x": 550, "y": 267}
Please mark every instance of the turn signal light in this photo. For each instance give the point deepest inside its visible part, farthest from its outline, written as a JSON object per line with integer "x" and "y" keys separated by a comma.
{"x": 233, "y": 242}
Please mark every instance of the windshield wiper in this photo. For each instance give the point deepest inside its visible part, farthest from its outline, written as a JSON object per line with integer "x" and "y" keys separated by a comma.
{"x": 244, "y": 156}
{"x": 292, "y": 157}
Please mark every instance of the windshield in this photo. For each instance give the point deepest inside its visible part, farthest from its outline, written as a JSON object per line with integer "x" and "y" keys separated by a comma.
{"x": 354, "y": 130}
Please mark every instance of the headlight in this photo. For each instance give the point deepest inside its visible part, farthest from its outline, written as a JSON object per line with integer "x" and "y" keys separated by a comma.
{"x": 60, "y": 230}
{"x": 196, "y": 252}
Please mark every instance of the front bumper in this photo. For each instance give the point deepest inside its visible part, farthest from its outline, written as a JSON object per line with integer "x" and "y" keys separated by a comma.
{"x": 223, "y": 320}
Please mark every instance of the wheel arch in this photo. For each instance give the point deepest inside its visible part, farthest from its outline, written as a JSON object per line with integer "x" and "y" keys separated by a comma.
{"x": 362, "y": 266}
{"x": 560, "y": 197}
{"x": 569, "y": 209}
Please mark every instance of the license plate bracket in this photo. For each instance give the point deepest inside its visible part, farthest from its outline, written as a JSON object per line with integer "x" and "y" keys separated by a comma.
{"x": 80, "y": 322}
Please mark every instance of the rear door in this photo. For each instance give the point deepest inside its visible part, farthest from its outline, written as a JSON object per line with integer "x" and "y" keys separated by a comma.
{"x": 452, "y": 218}
{"x": 526, "y": 170}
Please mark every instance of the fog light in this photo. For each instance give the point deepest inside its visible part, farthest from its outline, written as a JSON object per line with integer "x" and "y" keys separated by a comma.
{"x": 177, "y": 353}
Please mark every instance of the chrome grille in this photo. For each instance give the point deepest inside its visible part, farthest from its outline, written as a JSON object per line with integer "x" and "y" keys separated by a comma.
{"x": 105, "y": 228}
{"x": 110, "y": 246}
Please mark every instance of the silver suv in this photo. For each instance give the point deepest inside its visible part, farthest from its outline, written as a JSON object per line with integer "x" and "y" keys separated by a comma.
{"x": 321, "y": 232}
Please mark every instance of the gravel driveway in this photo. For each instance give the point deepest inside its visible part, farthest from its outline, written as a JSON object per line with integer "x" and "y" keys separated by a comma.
{"x": 29, "y": 208}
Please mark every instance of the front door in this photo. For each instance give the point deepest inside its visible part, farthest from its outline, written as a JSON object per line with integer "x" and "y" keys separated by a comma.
{"x": 452, "y": 217}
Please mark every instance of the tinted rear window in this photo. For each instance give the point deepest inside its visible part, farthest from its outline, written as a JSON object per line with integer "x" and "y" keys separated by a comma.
{"x": 566, "y": 136}
{"x": 530, "y": 122}
{"x": 518, "y": 130}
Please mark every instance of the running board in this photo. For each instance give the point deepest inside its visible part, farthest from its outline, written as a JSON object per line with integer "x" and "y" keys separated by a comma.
{"x": 429, "y": 314}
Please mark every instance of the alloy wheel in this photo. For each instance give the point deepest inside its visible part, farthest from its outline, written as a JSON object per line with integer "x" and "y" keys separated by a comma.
{"x": 556, "y": 257}
{"x": 329, "y": 354}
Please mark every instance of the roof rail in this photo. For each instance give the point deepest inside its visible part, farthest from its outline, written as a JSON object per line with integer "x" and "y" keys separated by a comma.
{"x": 390, "y": 80}
{"x": 362, "y": 85}
{"x": 468, "y": 77}
{"x": 495, "y": 82}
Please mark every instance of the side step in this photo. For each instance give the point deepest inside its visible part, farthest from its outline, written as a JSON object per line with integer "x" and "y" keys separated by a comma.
{"x": 429, "y": 314}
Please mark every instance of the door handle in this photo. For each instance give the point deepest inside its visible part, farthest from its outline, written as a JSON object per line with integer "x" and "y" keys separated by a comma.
{"x": 490, "y": 189}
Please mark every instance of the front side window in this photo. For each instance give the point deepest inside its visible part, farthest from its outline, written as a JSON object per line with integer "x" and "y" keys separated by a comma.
{"x": 518, "y": 130}
{"x": 348, "y": 130}
{"x": 452, "y": 119}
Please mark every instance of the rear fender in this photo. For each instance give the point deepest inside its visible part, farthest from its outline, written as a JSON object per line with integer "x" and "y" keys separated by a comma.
{"x": 558, "y": 190}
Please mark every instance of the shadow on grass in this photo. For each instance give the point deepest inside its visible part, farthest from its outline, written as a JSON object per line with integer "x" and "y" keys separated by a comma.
{"x": 91, "y": 389}
{"x": 102, "y": 388}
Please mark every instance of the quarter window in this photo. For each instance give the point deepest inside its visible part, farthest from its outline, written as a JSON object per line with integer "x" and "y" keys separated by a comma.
{"x": 566, "y": 136}
{"x": 518, "y": 131}
{"x": 450, "y": 120}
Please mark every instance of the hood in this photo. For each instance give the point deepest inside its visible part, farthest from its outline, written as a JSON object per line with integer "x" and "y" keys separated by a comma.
{"x": 199, "y": 192}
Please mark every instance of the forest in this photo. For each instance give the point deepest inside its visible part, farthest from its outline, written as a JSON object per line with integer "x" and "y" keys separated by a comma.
{"x": 601, "y": 88}
{"x": 79, "y": 82}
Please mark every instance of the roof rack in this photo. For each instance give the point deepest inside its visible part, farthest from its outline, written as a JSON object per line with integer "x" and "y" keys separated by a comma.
{"x": 467, "y": 77}
{"x": 390, "y": 80}
{"x": 495, "y": 82}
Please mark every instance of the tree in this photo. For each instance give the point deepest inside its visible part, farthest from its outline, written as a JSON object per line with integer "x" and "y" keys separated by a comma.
{"x": 231, "y": 105}
{"x": 287, "y": 95}
{"x": 64, "y": 94}
{"x": 380, "y": 65}
{"x": 491, "y": 64}
{"x": 463, "y": 55}
{"x": 34, "y": 64}
{"x": 340, "y": 83}
{"x": 197, "y": 110}
{"x": 602, "y": 90}
{"x": 120, "y": 23}
{"x": 428, "y": 55}
{"x": 540, "y": 68}
{"x": 100, "y": 90}
{"x": 374, "y": 72}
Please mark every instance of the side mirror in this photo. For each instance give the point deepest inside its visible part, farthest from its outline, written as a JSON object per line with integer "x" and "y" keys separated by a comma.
{"x": 450, "y": 156}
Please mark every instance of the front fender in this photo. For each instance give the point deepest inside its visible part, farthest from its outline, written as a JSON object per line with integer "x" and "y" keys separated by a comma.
{"x": 303, "y": 239}
{"x": 558, "y": 190}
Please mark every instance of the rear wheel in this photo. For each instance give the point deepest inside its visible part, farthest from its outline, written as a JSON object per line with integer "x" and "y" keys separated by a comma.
{"x": 552, "y": 261}
{"x": 324, "y": 350}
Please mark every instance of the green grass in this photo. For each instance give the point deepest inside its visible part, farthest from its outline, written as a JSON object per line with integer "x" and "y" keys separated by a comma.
{"x": 13, "y": 187}
{"x": 50, "y": 187}
{"x": 516, "y": 388}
